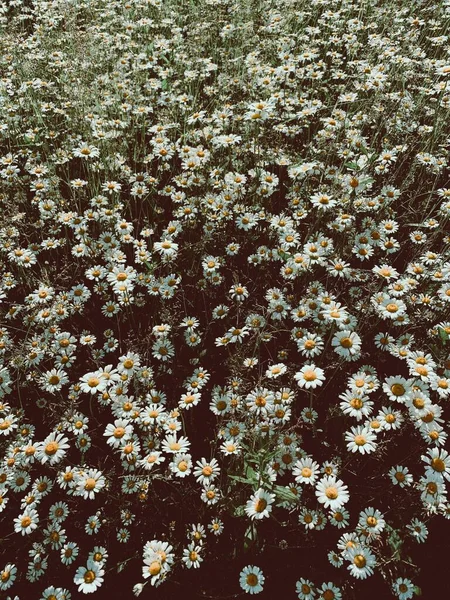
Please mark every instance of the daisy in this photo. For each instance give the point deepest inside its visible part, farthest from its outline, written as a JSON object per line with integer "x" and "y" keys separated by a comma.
{"x": 52, "y": 381}
{"x": 3, "y": 498}
{"x": 360, "y": 439}
{"x": 306, "y": 470}
{"x": 192, "y": 556}
{"x": 153, "y": 567}
{"x": 205, "y": 471}
{"x": 152, "y": 459}
{"x": 188, "y": 400}
{"x": 118, "y": 432}
{"x": 332, "y": 492}
{"x": 339, "y": 518}
{"x": 403, "y": 588}
{"x": 418, "y": 530}
{"x": 260, "y": 401}
{"x": 328, "y": 591}
{"x": 89, "y": 483}
{"x": 8, "y": 576}
{"x": 69, "y": 553}
{"x": 310, "y": 345}
{"x": 52, "y": 449}
{"x": 260, "y": 504}
{"x": 167, "y": 249}
{"x": 238, "y": 292}
{"x": 400, "y": 476}
{"x": 310, "y": 376}
{"x": 305, "y": 589}
{"x": 356, "y": 404}
{"x": 216, "y": 526}
{"x": 362, "y": 562}
{"x": 335, "y": 559}
{"x": 26, "y": 522}
{"x": 433, "y": 490}
{"x": 276, "y": 370}
{"x": 371, "y": 520}
{"x": 251, "y": 579}
{"x": 210, "y": 494}
{"x": 172, "y": 444}
{"x": 347, "y": 344}
{"x": 308, "y": 518}
{"x": 181, "y": 464}
{"x": 89, "y": 578}
{"x": 438, "y": 463}
{"x": 93, "y": 383}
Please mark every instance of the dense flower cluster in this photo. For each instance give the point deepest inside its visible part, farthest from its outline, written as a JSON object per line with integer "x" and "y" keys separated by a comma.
{"x": 224, "y": 284}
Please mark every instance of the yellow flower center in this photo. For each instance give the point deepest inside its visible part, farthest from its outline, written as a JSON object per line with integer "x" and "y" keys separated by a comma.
{"x": 25, "y": 522}
{"x": 438, "y": 465}
{"x": 89, "y": 576}
{"x": 309, "y": 375}
{"x": 346, "y": 342}
{"x": 331, "y": 493}
{"x": 90, "y": 484}
{"x": 397, "y": 389}
{"x": 359, "y": 561}
{"x": 51, "y": 448}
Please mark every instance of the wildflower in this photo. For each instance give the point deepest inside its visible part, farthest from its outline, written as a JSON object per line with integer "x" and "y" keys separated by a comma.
{"x": 347, "y": 344}
{"x": 400, "y": 476}
{"x": 328, "y": 591}
{"x": 305, "y": 589}
{"x": 438, "y": 463}
{"x": 360, "y": 439}
{"x": 181, "y": 465}
{"x": 89, "y": 578}
{"x": 251, "y": 579}
{"x": 52, "y": 449}
{"x": 371, "y": 520}
{"x": 205, "y": 471}
{"x": 362, "y": 562}
{"x": 216, "y": 526}
{"x": 192, "y": 556}
{"x": 332, "y": 492}
{"x": 69, "y": 553}
{"x": 310, "y": 376}
{"x": 306, "y": 470}
{"x": 260, "y": 504}
{"x": 403, "y": 588}
{"x": 26, "y": 522}
{"x": 418, "y": 530}
{"x": 8, "y": 576}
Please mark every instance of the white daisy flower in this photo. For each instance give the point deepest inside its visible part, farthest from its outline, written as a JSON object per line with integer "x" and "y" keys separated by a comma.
{"x": 89, "y": 578}
{"x": 332, "y": 492}
{"x": 310, "y": 376}
{"x": 251, "y": 579}
{"x": 260, "y": 504}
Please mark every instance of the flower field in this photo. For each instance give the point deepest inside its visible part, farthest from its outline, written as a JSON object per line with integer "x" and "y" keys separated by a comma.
{"x": 224, "y": 298}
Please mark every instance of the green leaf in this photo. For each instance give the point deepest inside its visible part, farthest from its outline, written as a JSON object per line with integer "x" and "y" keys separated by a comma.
{"x": 284, "y": 494}
{"x": 241, "y": 479}
{"x": 250, "y": 536}
{"x": 443, "y": 335}
{"x": 164, "y": 85}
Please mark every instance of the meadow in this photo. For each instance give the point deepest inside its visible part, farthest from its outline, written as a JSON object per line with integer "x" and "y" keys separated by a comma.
{"x": 224, "y": 299}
